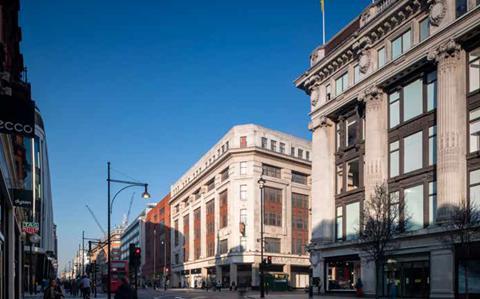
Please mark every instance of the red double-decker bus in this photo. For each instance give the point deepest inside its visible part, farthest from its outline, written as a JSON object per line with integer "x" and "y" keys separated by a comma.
{"x": 119, "y": 269}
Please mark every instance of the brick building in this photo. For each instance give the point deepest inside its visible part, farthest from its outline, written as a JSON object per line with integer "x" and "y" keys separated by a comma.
{"x": 157, "y": 242}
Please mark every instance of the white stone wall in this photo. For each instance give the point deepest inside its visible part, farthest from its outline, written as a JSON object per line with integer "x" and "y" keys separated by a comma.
{"x": 254, "y": 156}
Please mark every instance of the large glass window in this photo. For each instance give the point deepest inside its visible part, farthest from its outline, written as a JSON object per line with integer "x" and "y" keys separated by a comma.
{"x": 460, "y": 7}
{"x": 413, "y": 212}
{"x": 341, "y": 84}
{"x": 273, "y": 206}
{"x": 339, "y": 224}
{"x": 413, "y": 152}
{"x": 394, "y": 198}
{"x": 357, "y": 75}
{"x": 273, "y": 145}
{"x": 408, "y": 102}
{"x": 272, "y": 245}
{"x": 432, "y": 202}
{"x": 471, "y": 280}
{"x": 424, "y": 29}
{"x": 432, "y": 145}
{"x": 394, "y": 159}
{"x": 342, "y": 275}
{"x": 381, "y": 57}
{"x": 299, "y": 178}
{"x": 243, "y": 192}
{"x": 474, "y": 188}
{"x": 339, "y": 179}
{"x": 264, "y": 142}
{"x": 353, "y": 174}
{"x": 351, "y": 128}
{"x": 243, "y": 168}
{"x": 401, "y": 44}
{"x": 394, "y": 102}
{"x": 413, "y": 100}
{"x": 223, "y": 246}
{"x": 352, "y": 223}
{"x": 271, "y": 171}
{"x": 299, "y": 201}
{"x": 474, "y": 70}
{"x": 474, "y": 130}
{"x": 431, "y": 91}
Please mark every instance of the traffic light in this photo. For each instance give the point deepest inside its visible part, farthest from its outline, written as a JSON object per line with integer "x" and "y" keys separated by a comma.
{"x": 134, "y": 256}
{"x": 269, "y": 260}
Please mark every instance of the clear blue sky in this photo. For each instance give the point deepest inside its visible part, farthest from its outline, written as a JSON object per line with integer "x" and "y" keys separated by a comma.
{"x": 151, "y": 85}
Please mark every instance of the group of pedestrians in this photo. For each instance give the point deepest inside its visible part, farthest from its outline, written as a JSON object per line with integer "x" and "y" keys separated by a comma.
{"x": 82, "y": 285}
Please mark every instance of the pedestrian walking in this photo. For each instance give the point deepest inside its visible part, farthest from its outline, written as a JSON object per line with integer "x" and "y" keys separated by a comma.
{"x": 359, "y": 287}
{"x": 53, "y": 291}
{"x": 125, "y": 291}
{"x": 85, "y": 286}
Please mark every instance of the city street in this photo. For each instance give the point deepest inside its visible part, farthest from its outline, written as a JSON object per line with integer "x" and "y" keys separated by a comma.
{"x": 202, "y": 294}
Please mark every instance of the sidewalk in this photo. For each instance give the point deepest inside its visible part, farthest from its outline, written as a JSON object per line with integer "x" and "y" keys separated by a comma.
{"x": 67, "y": 296}
{"x": 297, "y": 294}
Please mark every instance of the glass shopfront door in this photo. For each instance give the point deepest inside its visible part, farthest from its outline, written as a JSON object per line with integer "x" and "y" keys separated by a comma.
{"x": 407, "y": 278}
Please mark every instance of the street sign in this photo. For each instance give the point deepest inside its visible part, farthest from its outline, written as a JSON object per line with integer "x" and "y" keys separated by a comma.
{"x": 30, "y": 227}
{"x": 17, "y": 116}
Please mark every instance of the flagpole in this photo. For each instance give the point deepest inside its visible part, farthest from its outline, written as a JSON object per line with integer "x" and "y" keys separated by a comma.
{"x": 323, "y": 25}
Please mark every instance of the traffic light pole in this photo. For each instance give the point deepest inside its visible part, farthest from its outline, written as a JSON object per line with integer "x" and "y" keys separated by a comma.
{"x": 110, "y": 202}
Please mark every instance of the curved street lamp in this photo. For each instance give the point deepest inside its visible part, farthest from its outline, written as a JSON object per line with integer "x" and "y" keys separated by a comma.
{"x": 261, "y": 184}
{"x": 128, "y": 184}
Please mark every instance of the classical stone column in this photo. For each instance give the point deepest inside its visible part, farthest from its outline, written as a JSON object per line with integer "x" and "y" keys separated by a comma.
{"x": 451, "y": 127}
{"x": 323, "y": 180}
{"x": 376, "y": 139}
{"x": 233, "y": 273}
{"x": 442, "y": 263}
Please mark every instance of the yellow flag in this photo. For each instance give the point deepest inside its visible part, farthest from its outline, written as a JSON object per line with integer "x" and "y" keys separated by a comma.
{"x": 322, "y": 4}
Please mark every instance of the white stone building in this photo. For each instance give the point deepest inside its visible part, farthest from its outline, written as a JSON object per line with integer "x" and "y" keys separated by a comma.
{"x": 395, "y": 100}
{"x": 215, "y": 210}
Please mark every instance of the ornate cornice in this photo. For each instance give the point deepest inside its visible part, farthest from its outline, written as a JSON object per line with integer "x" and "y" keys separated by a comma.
{"x": 319, "y": 122}
{"x": 371, "y": 93}
{"x": 362, "y": 43}
{"x": 450, "y": 49}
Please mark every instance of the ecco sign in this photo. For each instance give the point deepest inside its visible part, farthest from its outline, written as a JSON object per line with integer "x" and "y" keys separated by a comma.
{"x": 17, "y": 116}
{"x": 16, "y": 128}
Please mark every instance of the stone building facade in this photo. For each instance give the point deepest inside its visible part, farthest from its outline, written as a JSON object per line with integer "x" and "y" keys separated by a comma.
{"x": 215, "y": 210}
{"x": 395, "y": 101}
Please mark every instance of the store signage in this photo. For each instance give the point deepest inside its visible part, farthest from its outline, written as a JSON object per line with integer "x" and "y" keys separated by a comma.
{"x": 22, "y": 198}
{"x": 196, "y": 271}
{"x": 17, "y": 116}
{"x": 30, "y": 227}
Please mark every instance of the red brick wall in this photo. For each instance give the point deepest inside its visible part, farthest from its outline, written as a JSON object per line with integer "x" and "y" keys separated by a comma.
{"x": 157, "y": 220}
{"x": 197, "y": 241}
{"x": 210, "y": 228}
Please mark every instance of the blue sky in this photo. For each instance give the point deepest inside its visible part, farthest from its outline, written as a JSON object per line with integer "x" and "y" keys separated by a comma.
{"x": 150, "y": 85}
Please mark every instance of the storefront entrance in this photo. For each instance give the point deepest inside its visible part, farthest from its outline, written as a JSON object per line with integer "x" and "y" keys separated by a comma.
{"x": 407, "y": 277}
{"x": 342, "y": 274}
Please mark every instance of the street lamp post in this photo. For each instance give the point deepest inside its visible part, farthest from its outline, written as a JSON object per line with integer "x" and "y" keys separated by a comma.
{"x": 128, "y": 184}
{"x": 154, "y": 257}
{"x": 33, "y": 239}
{"x": 164, "y": 243}
{"x": 261, "y": 183}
